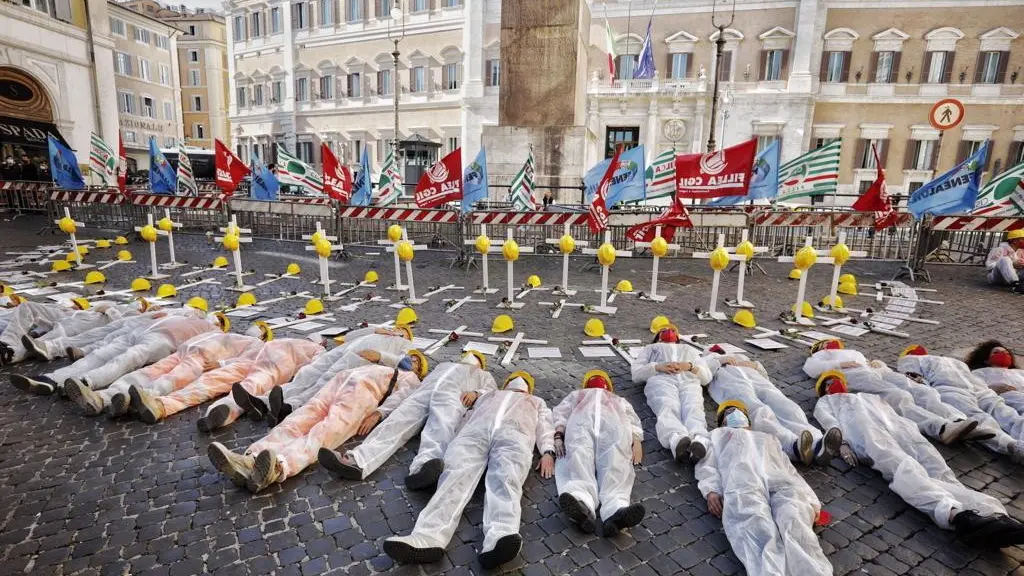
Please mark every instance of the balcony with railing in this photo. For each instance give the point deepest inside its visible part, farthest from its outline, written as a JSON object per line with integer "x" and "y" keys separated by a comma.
{"x": 622, "y": 87}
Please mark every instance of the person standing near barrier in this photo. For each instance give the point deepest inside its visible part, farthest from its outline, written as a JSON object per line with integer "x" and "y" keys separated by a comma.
{"x": 1005, "y": 260}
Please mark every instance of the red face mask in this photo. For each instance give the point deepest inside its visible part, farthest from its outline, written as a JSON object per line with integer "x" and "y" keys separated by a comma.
{"x": 1000, "y": 359}
{"x": 833, "y": 345}
{"x": 669, "y": 336}
{"x": 597, "y": 382}
{"x": 835, "y": 386}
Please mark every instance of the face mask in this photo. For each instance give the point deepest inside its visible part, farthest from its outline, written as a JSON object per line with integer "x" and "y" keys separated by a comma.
{"x": 517, "y": 384}
{"x": 736, "y": 419}
{"x": 668, "y": 336}
{"x": 1000, "y": 359}
{"x": 835, "y": 386}
{"x": 471, "y": 360}
{"x": 597, "y": 382}
{"x": 405, "y": 363}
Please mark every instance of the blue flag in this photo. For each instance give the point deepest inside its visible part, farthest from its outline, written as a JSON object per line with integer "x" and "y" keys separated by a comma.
{"x": 162, "y": 179}
{"x": 764, "y": 179}
{"x": 362, "y": 188}
{"x": 474, "y": 181}
{"x": 64, "y": 166}
{"x": 645, "y": 64}
{"x": 629, "y": 184}
{"x": 264, "y": 182}
{"x": 955, "y": 192}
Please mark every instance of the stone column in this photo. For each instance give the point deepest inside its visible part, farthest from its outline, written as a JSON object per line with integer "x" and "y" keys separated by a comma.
{"x": 806, "y": 45}
{"x": 653, "y": 129}
{"x": 288, "y": 93}
{"x": 472, "y": 78}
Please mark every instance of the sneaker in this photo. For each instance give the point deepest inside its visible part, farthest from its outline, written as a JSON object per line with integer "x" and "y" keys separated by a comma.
{"x": 245, "y": 400}
{"x": 217, "y": 417}
{"x": 624, "y": 518}
{"x": 829, "y": 446}
{"x": 427, "y": 476}
{"x": 505, "y": 549}
{"x": 805, "y": 447}
{"x": 953, "y": 431}
{"x": 74, "y": 354}
{"x": 578, "y": 512}
{"x": 697, "y": 451}
{"x": 146, "y": 406}
{"x": 265, "y": 472}
{"x": 404, "y": 553}
{"x": 118, "y": 406}
{"x": 681, "y": 449}
{"x": 6, "y": 354}
{"x": 237, "y": 467}
{"x": 983, "y": 531}
{"x": 91, "y": 402}
{"x": 279, "y": 410}
{"x": 341, "y": 467}
{"x": 37, "y": 385}
{"x": 34, "y": 349}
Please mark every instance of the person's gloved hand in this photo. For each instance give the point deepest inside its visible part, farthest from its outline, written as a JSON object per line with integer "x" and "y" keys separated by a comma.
{"x": 1002, "y": 388}
{"x": 405, "y": 363}
{"x": 848, "y": 455}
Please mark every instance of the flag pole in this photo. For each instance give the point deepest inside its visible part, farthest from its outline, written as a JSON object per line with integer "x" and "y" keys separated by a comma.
{"x": 629, "y": 16}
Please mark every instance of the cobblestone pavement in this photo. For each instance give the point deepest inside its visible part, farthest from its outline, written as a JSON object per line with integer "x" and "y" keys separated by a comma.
{"x": 89, "y": 495}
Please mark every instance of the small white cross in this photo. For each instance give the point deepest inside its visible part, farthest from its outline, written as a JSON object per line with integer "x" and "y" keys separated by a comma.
{"x": 509, "y": 302}
{"x": 615, "y": 344}
{"x": 485, "y": 288}
{"x": 325, "y": 280}
{"x": 453, "y": 305}
{"x": 713, "y": 313}
{"x": 837, "y": 268}
{"x": 740, "y": 302}
{"x": 604, "y": 308}
{"x": 170, "y": 242}
{"x": 798, "y": 314}
{"x": 513, "y": 345}
{"x": 458, "y": 332}
{"x": 155, "y": 275}
{"x": 79, "y": 264}
{"x": 236, "y": 255}
{"x": 563, "y": 289}
{"x": 558, "y": 306}
{"x": 412, "y": 300}
{"x": 654, "y": 268}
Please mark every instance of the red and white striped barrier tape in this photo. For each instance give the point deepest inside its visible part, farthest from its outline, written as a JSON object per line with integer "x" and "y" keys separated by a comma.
{"x": 190, "y": 202}
{"x": 979, "y": 224}
{"x": 402, "y": 214}
{"x": 24, "y": 186}
{"x": 793, "y": 219}
{"x": 865, "y": 220}
{"x": 110, "y": 196}
{"x": 529, "y": 218}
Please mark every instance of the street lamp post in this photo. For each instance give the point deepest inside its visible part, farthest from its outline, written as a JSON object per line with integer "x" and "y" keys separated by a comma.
{"x": 396, "y": 37}
{"x": 719, "y": 48}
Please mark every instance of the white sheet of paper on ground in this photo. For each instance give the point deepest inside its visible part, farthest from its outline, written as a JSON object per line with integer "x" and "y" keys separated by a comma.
{"x": 277, "y": 321}
{"x": 482, "y": 347}
{"x": 849, "y": 330}
{"x": 165, "y": 302}
{"x": 887, "y": 319}
{"x": 813, "y": 335}
{"x": 729, "y": 348}
{"x": 331, "y": 332}
{"x": 41, "y": 291}
{"x": 306, "y": 326}
{"x": 597, "y": 352}
{"x": 883, "y": 325}
{"x": 21, "y": 287}
{"x": 62, "y": 296}
{"x": 901, "y": 309}
{"x": 421, "y": 343}
{"x": 246, "y": 312}
{"x": 544, "y": 352}
{"x": 766, "y": 344}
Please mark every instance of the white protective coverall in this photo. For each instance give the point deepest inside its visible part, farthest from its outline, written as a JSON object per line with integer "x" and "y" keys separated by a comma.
{"x": 597, "y": 468}
{"x": 57, "y": 320}
{"x": 95, "y": 338}
{"x": 993, "y": 376}
{"x": 966, "y": 392}
{"x": 333, "y": 415}
{"x": 135, "y": 350}
{"x": 676, "y": 399}
{"x": 498, "y": 436}
{"x": 769, "y": 410}
{"x": 435, "y": 408}
{"x": 768, "y": 510}
{"x": 913, "y": 467}
{"x": 1002, "y": 263}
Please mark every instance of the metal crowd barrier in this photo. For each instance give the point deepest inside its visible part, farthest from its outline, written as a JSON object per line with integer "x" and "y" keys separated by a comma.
{"x": 23, "y": 197}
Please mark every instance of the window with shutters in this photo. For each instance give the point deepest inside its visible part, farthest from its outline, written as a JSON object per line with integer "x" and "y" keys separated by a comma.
{"x": 936, "y": 67}
{"x": 191, "y": 30}
{"x": 198, "y": 132}
{"x": 418, "y": 79}
{"x": 493, "y": 72}
{"x": 451, "y": 76}
{"x": 129, "y": 136}
{"x": 968, "y": 148}
{"x": 304, "y": 150}
{"x": 123, "y": 63}
{"x": 867, "y": 154}
{"x": 197, "y": 103}
{"x": 301, "y": 89}
{"x": 989, "y": 67}
{"x": 725, "y": 72}
{"x": 126, "y": 102}
{"x": 353, "y": 85}
{"x": 327, "y": 87}
{"x": 837, "y": 69}
{"x": 327, "y": 12}
{"x": 144, "y": 72}
{"x": 923, "y": 156}
{"x": 148, "y": 107}
{"x": 624, "y": 66}
{"x": 194, "y": 78}
{"x": 240, "y": 97}
{"x": 168, "y": 111}
{"x": 193, "y": 55}
{"x": 679, "y": 65}
{"x": 772, "y": 66}
{"x": 277, "y": 91}
{"x": 884, "y": 69}
{"x": 453, "y": 144}
{"x": 238, "y": 29}
{"x": 162, "y": 42}
{"x": 384, "y": 83}
{"x": 383, "y": 8}
{"x": 275, "y": 20}
{"x": 355, "y": 11}
{"x": 257, "y": 24}
{"x": 1016, "y": 154}
{"x": 141, "y": 35}
{"x": 300, "y": 16}
{"x": 257, "y": 95}
{"x": 165, "y": 75}
{"x": 420, "y": 5}
{"x": 822, "y": 142}
{"x": 451, "y": 3}
{"x": 766, "y": 141}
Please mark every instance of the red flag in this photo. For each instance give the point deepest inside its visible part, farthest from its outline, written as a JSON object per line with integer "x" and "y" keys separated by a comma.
{"x": 442, "y": 183}
{"x": 876, "y": 198}
{"x": 724, "y": 172}
{"x": 597, "y": 215}
{"x": 675, "y": 216}
{"x": 337, "y": 176}
{"x": 230, "y": 170}
{"x": 122, "y": 165}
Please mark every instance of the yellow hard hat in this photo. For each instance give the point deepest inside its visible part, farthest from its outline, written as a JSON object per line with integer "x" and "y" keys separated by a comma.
{"x": 659, "y": 247}
{"x": 720, "y": 413}
{"x": 323, "y": 248}
{"x": 102, "y": 243}
{"x": 223, "y": 321}
{"x": 533, "y": 281}
{"x": 406, "y": 317}
{"x": 394, "y": 232}
{"x": 597, "y": 374}
{"x": 80, "y": 303}
{"x": 405, "y": 251}
{"x": 805, "y": 309}
{"x": 594, "y": 328}
{"x": 120, "y": 240}
{"x": 95, "y": 277}
{"x": 6, "y": 290}
{"x": 60, "y": 266}
{"x": 566, "y": 244}
{"x": 67, "y": 225}
{"x": 840, "y": 253}
{"x": 744, "y": 318}
{"x": 847, "y": 278}
{"x": 502, "y": 323}
{"x": 606, "y": 254}
{"x": 657, "y": 323}
{"x": 220, "y": 262}
{"x": 745, "y": 249}
{"x": 828, "y": 301}
{"x": 510, "y": 250}
{"x": 849, "y": 288}
{"x": 424, "y": 364}
{"x": 624, "y": 286}
{"x": 141, "y": 285}
{"x": 230, "y": 242}
{"x": 1015, "y": 234}
{"x": 406, "y": 331}
{"x": 370, "y": 277}
{"x": 73, "y": 256}
{"x": 479, "y": 357}
{"x": 266, "y": 333}
{"x": 166, "y": 291}
{"x": 165, "y": 224}
{"x": 521, "y": 374}
{"x": 482, "y": 244}
{"x": 124, "y": 255}
{"x": 245, "y": 299}
{"x": 148, "y": 233}
{"x": 795, "y": 274}
{"x": 313, "y": 306}
{"x": 198, "y": 303}
{"x": 805, "y": 257}
{"x": 719, "y": 259}
{"x": 83, "y": 250}
{"x": 293, "y": 269}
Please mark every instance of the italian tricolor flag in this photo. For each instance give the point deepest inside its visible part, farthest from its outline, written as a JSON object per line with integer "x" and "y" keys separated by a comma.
{"x": 610, "y": 39}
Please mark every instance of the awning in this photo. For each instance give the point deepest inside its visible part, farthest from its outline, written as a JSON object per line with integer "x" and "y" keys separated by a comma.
{"x": 20, "y": 132}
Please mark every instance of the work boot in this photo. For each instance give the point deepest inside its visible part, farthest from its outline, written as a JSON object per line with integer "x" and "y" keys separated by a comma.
{"x": 697, "y": 451}
{"x": 266, "y": 471}
{"x": 953, "y": 431}
{"x": 117, "y": 406}
{"x": 805, "y": 447}
{"x": 6, "y": 354}
{"x": 624, "y": 518}
{"x": 505, "y": 549}
{"x": 90, "y": 402}
{"x": 578, "y": 512}
{"x": 34, "y": 349}
{"x": 340, "y": 466}
{"x": 149, "y": 409}
{"x": 403, "y": 552}
{"x": 74, "y": 354}
{"x": 251, "y": 405}
{"x": 828, "y": 447}
{"x": 215, "y": 418}
{"x": 237, "y": 467}
{"x": 40, "y": 385}
{"x": 427, "y": 477}
{"x": 279, "y": 410}
{"x": 682, "y": 448}
{"x": 983, "y": 531}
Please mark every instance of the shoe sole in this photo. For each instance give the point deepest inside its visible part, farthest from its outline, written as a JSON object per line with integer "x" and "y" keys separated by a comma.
{"x": 805, "y": 447}
{"x": 577, "y": 512}
{"x": 330, "y": 460}
{"x": 506, "y": 549}
{"x": 217, "y": 417}
{"x": 146, "y": 414}
{"x": 627, "y": 518}
{"x": 261, "y": 471}
{"x": 682, "y": 448}
{"x": 26, "y": 384}
{"x": 831, "y": 442}
{"x": 73, "y": 354}
{"x": 241, "y": 396}
{"x": 697, "y": 451}
{"x": 75, "y": 394}
{"x": 222, "y": 462}
{"x": 966, "y": 431}
{"x": 403, "y": 553}
{"x": 276, "y": 404}
{"x": 427, "y": 477}
{"x": 118, "y": 406}
{"x": 32, "y": 349}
